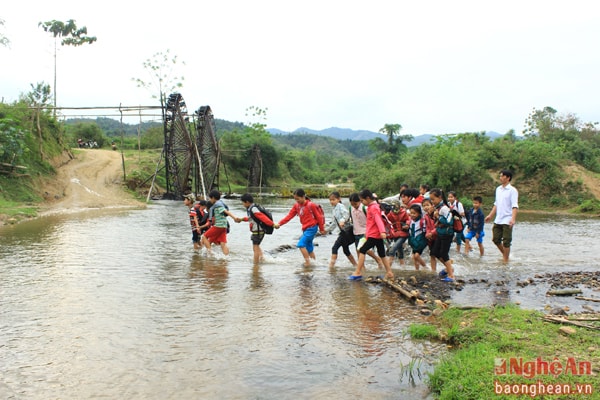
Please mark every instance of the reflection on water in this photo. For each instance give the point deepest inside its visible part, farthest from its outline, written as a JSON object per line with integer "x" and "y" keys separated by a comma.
{"x": 118, "y": 305}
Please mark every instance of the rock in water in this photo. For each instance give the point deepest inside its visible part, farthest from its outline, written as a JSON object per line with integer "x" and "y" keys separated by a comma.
{"x": 557, "y": 311}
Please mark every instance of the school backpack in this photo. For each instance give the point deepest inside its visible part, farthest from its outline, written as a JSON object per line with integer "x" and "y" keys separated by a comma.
{"x": 320, "y": 211}
{"x": 421, "y": 240}
{"x": 268, "y": 229}
{"x": 457, "y": 224}
{"x": 202, "y": 215}
{"x": 386, "y": 207}
{"x": 389, "y": 227}
{"x": 198, "y": 210}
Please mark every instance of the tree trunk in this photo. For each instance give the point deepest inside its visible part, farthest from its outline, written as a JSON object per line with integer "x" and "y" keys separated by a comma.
{"x": 39, "y": 130}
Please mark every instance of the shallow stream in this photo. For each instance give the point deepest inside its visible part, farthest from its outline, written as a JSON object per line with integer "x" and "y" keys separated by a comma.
{"x": 115, "y": 304}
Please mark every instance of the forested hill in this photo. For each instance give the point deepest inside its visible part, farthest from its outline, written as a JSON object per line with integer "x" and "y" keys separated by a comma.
{"x": 113, "y": 128}
{"x": 351, "y": 134}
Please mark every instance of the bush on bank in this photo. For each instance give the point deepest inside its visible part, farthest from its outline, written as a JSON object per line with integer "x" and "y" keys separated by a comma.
{"x": 478, "y": 339}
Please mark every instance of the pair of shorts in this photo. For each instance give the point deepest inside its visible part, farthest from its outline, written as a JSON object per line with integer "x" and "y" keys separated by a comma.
{"x": 373, "y": 242}
{"x": 471, "y": 234}
{"x": 441, "y": 247}
{"x": 459, "y": 237}
{"x": 195, "y": 236}
{"x": 419, "y": 250}
{"x": 341, "y": 241}
{"x": 502, "y": 233}
{"x": 216, "y": 235}
{"x": 257, "y": 237}
{"x": 306, "y": 240}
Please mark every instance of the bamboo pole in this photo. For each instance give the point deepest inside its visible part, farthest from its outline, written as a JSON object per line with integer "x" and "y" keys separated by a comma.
{"x": 394, "y": 286}
{"x": 563, "y": 292}
{"x": 587, "y": 299}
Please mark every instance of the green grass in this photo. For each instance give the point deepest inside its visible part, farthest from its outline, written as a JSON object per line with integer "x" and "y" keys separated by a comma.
{"x": 13, "y": 211}
{"x": 476, "y": 338}
{"x": 421, "y": 331}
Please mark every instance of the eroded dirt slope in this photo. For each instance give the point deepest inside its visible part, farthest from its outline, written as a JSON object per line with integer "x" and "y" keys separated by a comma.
{"x": 93, "y": 179}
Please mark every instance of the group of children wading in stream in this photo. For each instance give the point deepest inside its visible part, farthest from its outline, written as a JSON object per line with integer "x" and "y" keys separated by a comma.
{"x": 423, "y": 219}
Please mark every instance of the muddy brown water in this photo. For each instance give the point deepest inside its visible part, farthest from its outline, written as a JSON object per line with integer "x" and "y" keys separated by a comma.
{"x": 117, "y": 305}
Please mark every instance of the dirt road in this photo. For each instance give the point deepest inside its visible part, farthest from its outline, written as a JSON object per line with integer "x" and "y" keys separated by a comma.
{"x": 94, "y": 179}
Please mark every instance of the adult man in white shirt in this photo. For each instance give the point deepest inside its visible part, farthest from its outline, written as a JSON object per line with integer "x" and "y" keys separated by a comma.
{"x": 505, "y": 208}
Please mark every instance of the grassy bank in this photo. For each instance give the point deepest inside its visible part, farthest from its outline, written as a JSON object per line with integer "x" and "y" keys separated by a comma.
{"x": 479, "y": 339}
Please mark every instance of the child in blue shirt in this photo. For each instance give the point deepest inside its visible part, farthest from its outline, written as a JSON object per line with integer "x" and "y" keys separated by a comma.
{"x": 475, "y": 224}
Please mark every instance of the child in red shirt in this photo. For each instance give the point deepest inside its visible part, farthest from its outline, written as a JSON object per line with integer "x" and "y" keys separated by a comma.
{"x": 311, "y": 219}
{"x": 375, "y": 236}
{"x": 400, "y": 220}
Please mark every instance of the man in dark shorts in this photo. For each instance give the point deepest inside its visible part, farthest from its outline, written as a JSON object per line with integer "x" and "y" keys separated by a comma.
{"x": 505, "y": 208}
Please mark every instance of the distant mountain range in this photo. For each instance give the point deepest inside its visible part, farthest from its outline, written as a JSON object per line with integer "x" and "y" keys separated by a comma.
{"x": 344, "y": 133}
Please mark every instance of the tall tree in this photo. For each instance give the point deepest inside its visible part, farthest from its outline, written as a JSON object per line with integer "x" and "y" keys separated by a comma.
{"x": 70, "y": 36}
{"x": 539, "y": 122}
{"x": 39, "y": 98}
{"x": 394, "y": 143}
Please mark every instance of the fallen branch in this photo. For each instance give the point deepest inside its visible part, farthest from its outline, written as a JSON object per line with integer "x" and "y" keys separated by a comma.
{"x": 584, "y": 318}
{"x": 587, "y": 299}
{"x": 561, "y": 320}
{"x": 394, "y": 286}
{"x": 563, "y": 292}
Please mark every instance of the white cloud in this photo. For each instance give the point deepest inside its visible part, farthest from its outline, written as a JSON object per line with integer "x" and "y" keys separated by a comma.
{"x": 434, "y": 67}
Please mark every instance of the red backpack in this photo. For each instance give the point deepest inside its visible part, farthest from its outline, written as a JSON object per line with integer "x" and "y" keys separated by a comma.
{"x": 457, "y": 224}
{"x": 317, "y": 211}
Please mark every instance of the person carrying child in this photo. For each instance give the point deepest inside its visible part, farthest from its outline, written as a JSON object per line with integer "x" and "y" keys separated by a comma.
{"x": 257, "y": 220}
{"x": 475, "y": 226}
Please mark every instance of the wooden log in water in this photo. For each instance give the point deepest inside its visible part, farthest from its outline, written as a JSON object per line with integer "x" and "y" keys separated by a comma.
{"x": 396, "y": 287}
{"x": 563, "y": 292}
{"x": 562, "y": 320}
{"x": 587, "y": 299}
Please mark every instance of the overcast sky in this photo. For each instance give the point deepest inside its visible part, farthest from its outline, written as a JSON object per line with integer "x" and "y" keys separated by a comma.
{"x": 432, "y": 66}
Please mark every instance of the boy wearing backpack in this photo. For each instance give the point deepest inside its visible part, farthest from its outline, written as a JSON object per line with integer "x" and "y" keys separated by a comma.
{"x": 260, "y": 222}
{"x": 217, "y": 220}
